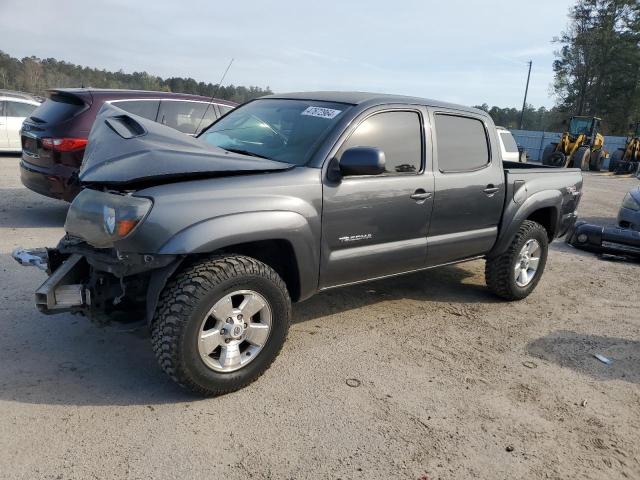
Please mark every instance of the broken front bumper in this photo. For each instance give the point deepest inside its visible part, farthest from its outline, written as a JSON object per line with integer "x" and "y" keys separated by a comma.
{"x": 599, "y": 239}
{"x": 96, "y": 281}
{"x": 64, "y": 289}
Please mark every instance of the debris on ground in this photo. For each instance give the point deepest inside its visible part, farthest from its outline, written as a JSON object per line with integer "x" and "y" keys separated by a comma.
{"x": 603, "y": 359}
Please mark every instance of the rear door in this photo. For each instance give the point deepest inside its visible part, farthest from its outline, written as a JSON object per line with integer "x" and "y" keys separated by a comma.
{"x": 4, "y": 139}
{"x": 469, "y": 184}
{"x": 374, "y": 226}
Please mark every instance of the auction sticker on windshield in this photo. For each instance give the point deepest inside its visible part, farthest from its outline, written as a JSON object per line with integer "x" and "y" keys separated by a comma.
{"x": 321, "y": 112}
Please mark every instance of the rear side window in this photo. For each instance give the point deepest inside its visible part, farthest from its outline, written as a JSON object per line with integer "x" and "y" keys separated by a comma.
{"x": 397, "y": 134}
{"x": 142, "y": 108}
{"x": 58, "y": 108}
{"x": 462, "y": 143}
{"x": 2, "y": 108}
{"x": 185, "y": 116}
{"x": 19, "y": 109}
{"x": 509, "y": 142}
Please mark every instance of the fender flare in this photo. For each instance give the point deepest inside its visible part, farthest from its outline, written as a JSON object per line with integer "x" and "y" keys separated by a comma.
{"x": 240, "y": 228}
{"x": 511, "y": 221}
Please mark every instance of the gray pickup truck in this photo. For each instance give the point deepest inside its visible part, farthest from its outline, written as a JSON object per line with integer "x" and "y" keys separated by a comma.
{"x": 212, "y": 238}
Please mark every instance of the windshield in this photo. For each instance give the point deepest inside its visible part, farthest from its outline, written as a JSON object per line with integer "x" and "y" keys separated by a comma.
{"x": 283, "y": 130}
{"x": 580, "y": 126}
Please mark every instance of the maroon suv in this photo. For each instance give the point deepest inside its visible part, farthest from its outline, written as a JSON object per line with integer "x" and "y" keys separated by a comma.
{"x": 55, "y": 135}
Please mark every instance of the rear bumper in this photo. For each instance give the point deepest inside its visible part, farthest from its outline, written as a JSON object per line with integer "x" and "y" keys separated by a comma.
{"x": 52, "y": 181}
{"x": 599, "y": 239}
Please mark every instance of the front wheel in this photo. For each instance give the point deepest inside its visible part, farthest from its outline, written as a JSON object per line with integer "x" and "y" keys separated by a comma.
{"x": 515, "y": 274}
{"x": 220, "y": 323}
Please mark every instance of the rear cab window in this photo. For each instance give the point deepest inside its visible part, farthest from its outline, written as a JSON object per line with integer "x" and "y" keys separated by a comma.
{"x": 58, "y": 108}
{"x": 463, "y": 144}
{"x": 397, "y": 133}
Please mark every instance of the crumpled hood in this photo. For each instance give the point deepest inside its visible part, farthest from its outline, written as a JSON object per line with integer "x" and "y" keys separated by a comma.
{"x": 125, "y": 149}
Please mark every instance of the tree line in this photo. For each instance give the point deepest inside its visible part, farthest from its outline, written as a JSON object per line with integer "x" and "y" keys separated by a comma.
{"x": 35, "y": 75}
{"x": 596, "y": 72}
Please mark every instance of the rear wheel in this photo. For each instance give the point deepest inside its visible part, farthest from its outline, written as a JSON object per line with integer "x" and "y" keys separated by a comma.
{"x": 581, "y": 158}
{"x": 515, "y": 274}
{"x": 615, "y": 160}
{"x": 546, "y": 153}
{"x": 596, "y": 160}
{"x": 220, "y": 323}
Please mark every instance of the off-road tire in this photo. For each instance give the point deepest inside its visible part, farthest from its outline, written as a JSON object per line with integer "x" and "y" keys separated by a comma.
{"x": 581, "y": 158}
{"x": 546, "y": 153}
{"x": 183, "y": 305}
{"x": 615, "y": 160}
{"x": 499, "y": 270}
{"x": 596, "y": 160}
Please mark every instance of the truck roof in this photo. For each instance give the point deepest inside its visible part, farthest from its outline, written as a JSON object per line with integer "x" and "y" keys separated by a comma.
{"x": 359, "y": 98}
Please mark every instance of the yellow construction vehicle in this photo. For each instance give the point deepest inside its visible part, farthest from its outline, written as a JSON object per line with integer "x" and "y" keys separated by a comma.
{"x": 627, "y": 159}
{"x": 581, "y": 146}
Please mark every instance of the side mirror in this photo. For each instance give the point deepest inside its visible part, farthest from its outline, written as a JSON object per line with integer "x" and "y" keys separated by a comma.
{"x": 362, "y": 161}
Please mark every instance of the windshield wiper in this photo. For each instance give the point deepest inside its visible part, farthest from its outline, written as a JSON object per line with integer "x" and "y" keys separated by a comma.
{"x": 246, "y": 152}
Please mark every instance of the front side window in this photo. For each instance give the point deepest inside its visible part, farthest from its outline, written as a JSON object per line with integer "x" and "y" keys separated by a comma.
{"x": 397, "y": 134}
{"x": 278, "y": 129}
{"x": 509, "y": 142}
{"x": 462, "y": 143}
{"x": 143, "y": 108}
{"x": 19, "y": 109}
{"x": 186, "y": 116}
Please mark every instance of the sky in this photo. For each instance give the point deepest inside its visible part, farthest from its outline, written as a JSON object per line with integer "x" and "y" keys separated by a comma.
{"x": 462, "y": 51}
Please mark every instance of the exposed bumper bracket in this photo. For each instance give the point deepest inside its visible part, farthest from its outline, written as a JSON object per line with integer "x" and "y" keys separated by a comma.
{"x": 61, "y": 291}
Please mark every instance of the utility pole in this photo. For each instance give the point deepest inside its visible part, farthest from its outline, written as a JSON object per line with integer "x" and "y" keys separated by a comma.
{"x": 526, "y": 90}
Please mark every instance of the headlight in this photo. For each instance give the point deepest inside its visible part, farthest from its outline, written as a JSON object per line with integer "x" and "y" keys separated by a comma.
{"x": 102, "y": 218}
{"x": 630, "y": 203}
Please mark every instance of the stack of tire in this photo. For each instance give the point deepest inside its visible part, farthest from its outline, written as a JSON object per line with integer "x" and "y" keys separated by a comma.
{"x": 583, "y": 158}
{"x": 619, "y": 166}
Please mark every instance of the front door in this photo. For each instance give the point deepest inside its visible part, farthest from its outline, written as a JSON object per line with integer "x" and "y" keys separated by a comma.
{"x": 373, "y": 226}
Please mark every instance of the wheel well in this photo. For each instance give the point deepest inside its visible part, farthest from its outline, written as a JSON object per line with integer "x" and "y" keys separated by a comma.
{"x": 547, "y": 217}
{"x": 279, "y": 255}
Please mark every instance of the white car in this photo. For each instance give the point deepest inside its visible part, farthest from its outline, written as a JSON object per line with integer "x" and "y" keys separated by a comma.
{"x": 509, "y": 147}
{"x": 14, "y": 108}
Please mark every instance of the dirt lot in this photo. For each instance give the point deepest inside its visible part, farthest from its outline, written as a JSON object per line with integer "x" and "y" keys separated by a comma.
{"x": 450, "y": 378}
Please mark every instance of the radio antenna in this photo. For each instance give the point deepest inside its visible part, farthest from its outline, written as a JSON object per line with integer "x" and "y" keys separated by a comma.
{"x": 215, "y": 92}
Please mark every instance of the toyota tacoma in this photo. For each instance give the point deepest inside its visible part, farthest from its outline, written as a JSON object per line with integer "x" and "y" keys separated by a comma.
{"x": 212, "y": 238}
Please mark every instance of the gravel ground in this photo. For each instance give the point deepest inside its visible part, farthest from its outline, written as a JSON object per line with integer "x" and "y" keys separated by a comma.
{"x": 453, "y": 383}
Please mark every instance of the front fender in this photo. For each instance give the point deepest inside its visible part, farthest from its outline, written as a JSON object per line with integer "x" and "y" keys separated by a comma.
{"x": 515, "y": 214}
{"x": 229, "y": 230}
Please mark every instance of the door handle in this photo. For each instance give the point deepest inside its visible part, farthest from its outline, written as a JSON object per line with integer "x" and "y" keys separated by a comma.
{"x": 490, "y": 190}
{"x": 420, "y": 195}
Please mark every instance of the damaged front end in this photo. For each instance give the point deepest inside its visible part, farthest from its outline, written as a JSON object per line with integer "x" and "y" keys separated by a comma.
{"x": 98, "y": 282}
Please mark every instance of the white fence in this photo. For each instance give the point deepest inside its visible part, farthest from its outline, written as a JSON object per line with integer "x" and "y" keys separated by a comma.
{"x": 535, "y": 141}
